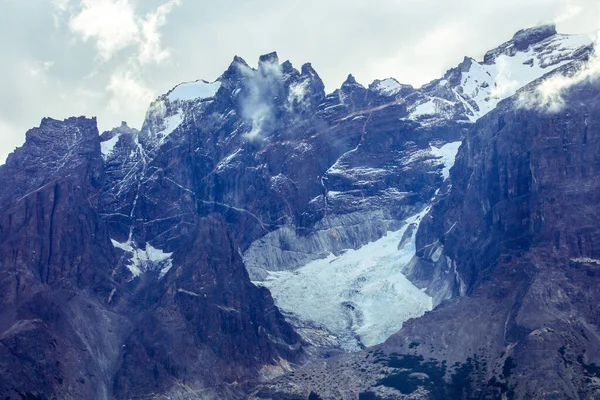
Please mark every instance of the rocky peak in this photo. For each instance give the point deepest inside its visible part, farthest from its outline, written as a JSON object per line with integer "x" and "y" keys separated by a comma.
{"x": 390, "y": 87}
{"x": 288, "y": 68}
{"x": 454, "y": 75}
{"x": 307, "y": 69}
{"x": 521, "y": 42}
{"x": 350, "y": 83}
{"x": 58, "y": 134}
{"x": 56, "y": 149}
{"x": 233, "y": 72}
{"x": 270, "y": 58}
{"x": 527, "y": 37}
{"x": 473, "y": 89}
{"x": 124, "y": 128}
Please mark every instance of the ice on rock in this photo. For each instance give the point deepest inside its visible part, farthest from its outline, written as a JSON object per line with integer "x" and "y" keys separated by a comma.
{"x": 148, "y": 259}
{"x": 388, "y": 87}
{"x": 426, "y": 108}
{"x": 108, "y": 146}
{"x": 194, "y": 91}
{"x": 361, "y": 293}
{"x": 447, "y": 155}
{"x": 170, "y": 124}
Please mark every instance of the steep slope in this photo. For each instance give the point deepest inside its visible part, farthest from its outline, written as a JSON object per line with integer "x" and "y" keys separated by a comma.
{"x": 76, "y": 324}
{"x": 519, "y": 228}
{"x": 56, "y": 261}
{"x": 296, "y": 174}
{"x": 390, "y": 176}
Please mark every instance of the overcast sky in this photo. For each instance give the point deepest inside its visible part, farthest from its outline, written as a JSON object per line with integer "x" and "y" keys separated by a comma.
{"x": 110, "y": 58}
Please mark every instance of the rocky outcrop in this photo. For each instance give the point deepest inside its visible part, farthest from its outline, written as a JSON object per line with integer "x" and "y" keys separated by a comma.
{"x": 73, "y": 322}
{"x": 208, "y": 326}
{"x": 56, "y": 263}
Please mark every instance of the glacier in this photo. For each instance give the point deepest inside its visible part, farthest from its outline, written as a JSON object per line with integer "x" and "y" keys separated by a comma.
{"x": 360, "y": 297}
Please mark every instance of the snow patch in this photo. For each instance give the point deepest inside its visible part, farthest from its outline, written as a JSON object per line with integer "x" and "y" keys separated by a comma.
{"x": 108, "y": 146}
{"x": 388, "y": 87}
{"x": 170, "y": 124}
{"x": 143, "y": 260}
{"x": 447, "y": 154}
{"x": 488, "y": 84}
{"x": 224, "y": 163}
{"x": 194, "y": 91}
{"x": 427, "y": 108}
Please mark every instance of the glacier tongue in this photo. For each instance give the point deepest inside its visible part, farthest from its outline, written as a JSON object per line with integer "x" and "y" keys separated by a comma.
{"x": 360, "y": 297}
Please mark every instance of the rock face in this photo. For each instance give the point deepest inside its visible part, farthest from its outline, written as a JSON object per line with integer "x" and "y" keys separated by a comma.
{"x": 126, "y": 258}
{"x": 76, "y": 325}
{"x": 518, "y": 232}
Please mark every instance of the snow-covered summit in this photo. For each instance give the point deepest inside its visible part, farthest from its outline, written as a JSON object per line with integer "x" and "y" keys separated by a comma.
{"x": 389, "y": 86}
{"x": 474, "y": 88}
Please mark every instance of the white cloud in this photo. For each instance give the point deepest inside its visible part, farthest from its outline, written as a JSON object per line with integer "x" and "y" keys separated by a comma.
{"x": 111, "y": 23}
{"x": 261, "y": 87}
{"x": 129, "y": 94}
{"x": 150, "y": 42}
{"x": 61, "y": 5}
{"x": 114, "y": 26}
{"x": 39, "y": 67}
{"x": 570, "y": 11}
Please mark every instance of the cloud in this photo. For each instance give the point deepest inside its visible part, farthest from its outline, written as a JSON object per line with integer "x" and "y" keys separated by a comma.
{"x": 570, "y": 11}
{"x": 505, "y": 84}
{"x": 150, "y": 41}
{"x": 260, "y": 88}
{"x": 114, "y": 26}
{"x": 129, "y": 94}
{"x": 61, "y": 5}
{"x": 548, "y": 95}
{"x": 39, "y": 67}
{"x": 111, "y": 23}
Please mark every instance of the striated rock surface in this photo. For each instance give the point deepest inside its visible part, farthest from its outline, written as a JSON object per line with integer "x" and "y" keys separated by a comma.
{"x": 76, "y": 324}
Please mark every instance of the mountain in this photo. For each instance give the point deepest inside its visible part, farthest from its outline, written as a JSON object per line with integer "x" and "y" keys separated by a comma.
{"x": 141, "y": 263}
{"x": 512, "y": 241}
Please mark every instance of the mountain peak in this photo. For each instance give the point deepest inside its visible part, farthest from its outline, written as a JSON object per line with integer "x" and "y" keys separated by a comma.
{"x": 351, "y": 81}
{"x": 526, "y": 37}
{"x": 271, "y": 58}
{"x": 307, "y": 69}
{"x": 521, "y": 41}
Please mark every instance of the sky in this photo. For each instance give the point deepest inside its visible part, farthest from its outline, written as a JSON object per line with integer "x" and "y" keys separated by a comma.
{"x": 111, "y": 58}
